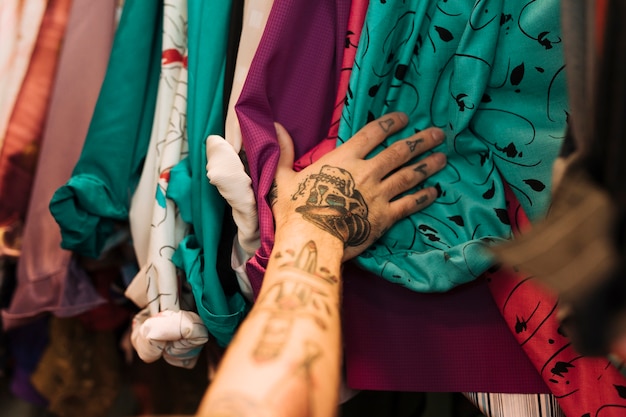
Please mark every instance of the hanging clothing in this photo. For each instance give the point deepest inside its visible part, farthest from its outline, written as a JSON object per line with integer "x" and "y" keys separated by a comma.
{"x": 356, "y": 18}
{"x": 582, "y": 385}
{"x": 47, "y": 281}
{"x": 22, "y": 140}
{"x": 279, "y": 76}
{"x": 491, "y": 76}
{"x": 238, "y": 190}
{"x": 165, "y": 327}
{"x": 199, "y": 202}
{"x": 90, "y": 206}
{"x": 20, "y": 21}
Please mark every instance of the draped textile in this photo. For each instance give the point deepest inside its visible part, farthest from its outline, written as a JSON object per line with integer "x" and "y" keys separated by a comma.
{"x": 92, "y": 204}
{"x": 46, "y": 279}
{"x": 22, "y": 141}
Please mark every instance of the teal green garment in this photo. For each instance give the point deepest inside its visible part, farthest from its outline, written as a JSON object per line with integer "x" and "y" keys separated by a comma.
{"x": 200, "y": 203}
{"x": 97, "y": 195}
{"x": 491, "y": 74}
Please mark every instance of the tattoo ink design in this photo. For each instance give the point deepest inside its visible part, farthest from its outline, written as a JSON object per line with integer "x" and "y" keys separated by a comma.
{"x": 334, "y": 205}
{"x": 386, "y": 125}
{"x": 272, "y": 195}
{"x": 421, "y": 168}
{"x": 423, "y": 199}
{"x": 413, "y": 144}
{"x": 293, "y": 300}
{"x": 292, "y": 390}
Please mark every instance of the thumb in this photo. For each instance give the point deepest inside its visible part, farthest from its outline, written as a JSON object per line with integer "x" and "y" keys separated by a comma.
{"x": 285, "y": 143}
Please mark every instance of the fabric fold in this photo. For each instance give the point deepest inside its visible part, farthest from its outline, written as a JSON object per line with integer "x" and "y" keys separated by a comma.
{"x": 106, "y": 174}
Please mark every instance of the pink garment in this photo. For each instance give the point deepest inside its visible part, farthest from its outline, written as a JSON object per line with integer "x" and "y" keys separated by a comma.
{"x": 44, "y": 283}
{"x": 358, "y": 10}
{"x": 18, "y": 156}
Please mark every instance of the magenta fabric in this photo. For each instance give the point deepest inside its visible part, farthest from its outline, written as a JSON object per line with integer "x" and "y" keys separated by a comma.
{"x": 293, "y": 80}
{"x": 47, "y": 280}
{"x": 395, "y": 339}
{"x": 400, "y": 340}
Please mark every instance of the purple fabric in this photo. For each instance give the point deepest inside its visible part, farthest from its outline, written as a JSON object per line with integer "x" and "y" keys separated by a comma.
{"x": 293, "y": 80}
{"x": 44, "y": 283}
{"x": 395, "y": 339}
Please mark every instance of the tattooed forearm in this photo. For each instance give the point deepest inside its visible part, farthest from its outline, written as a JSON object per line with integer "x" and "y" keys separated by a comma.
{"x": 336, "y": 206}
{"x": 293, "y": 390}
{"x": 386, "y": 124}
{"x": 289, "y": 300}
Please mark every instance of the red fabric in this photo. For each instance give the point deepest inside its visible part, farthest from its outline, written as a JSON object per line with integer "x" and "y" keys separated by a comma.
{"x": 583, "y": 386}
{"x": 600, "y": 22}
{"x": 358, "y": 10}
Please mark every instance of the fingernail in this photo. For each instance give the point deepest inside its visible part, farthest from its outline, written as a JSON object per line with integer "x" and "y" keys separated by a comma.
{"x": 438, "y": 135}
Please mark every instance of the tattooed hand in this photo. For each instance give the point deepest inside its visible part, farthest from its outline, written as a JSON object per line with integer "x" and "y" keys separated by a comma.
{"x": 353, "y": 198}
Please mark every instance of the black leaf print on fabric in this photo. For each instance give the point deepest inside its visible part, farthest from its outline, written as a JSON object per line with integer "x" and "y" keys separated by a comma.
{"x": 484, "y": 156}
{"x": 458, "y": 220}
{"x": 431, "y": 236}
{"x": 520, "y": 325}
{"x": 517, "y": 74}
{"x": 536, "y": 185}
{"x": 561, "y": 368}
{"x": 545, "y": 42}
{"x": 621, "y": 390}
{"x": 400, "y": 71}
{"x": 488, "y": 195}
{"x": 370, "y": 116}
{"x": 539, "y": 69}
{"x": 373, "y": 90}
{"x": 505, "y": 18}
{"x": 510, "y": 150}
{"x": 418, "y": 44}
{"x": 486, "y": 98}
{"x": 444, "y": 34}
{"x": 503, "y": 216}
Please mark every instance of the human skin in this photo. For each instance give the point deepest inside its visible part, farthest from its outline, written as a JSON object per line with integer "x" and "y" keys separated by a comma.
{"x": 285, "y": 358}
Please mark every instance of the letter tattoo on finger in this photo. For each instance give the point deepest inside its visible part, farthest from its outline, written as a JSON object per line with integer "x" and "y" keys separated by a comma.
{"x": 421, "y": 168}
{"x": 413, "y": 144}
{"x": 386, "y": 124}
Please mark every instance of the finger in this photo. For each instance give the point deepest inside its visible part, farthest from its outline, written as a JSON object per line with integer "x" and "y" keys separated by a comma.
{"x": 404, "y": 150}
{"x": 408, "y": 177}
{"x": 412, "y": 203}
{"x": 286, "y": 158}
{"x": 373, "y": 133}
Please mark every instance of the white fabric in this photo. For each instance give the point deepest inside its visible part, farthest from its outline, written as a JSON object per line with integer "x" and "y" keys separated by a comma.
{"x": 20, "y": 21}
{"x": 177, "y": 336}
{"x": 161, "y": 328}
{"x": 226, "y": 171}
{"x": 515, "y": 405}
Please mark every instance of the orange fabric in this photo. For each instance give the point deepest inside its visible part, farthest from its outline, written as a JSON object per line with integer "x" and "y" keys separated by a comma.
{"x": 583, "y": 386}
{"x": 18, "y": 157}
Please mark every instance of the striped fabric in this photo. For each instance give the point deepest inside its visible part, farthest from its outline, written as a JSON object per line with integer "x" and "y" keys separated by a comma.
{"x": 515, "y": 405}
